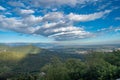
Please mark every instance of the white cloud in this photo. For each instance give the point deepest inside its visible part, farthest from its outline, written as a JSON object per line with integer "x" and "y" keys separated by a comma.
{"x": 109, "y": 29}
{"x": 117, "y": 29}
{"x": 56, "y": 25}
{"x": 54, "y": 3}
{"x": 16, "y": 4}
{"x": 53, "y": 16}
{"x": 2, "y": 8}
{"x": 59, "y": 16}
{"x": 49, "y": 3}
{"x": 71, "y": 35}
{"x": 54, "y": 9}
{"x": 14, "y": 24}
{"x": 64, "y": 29}
{"x": 8, "y": 13}
{"x": 61, "y": 33}
{"x": 87, "y": 17}
{"x": 117, "y": 18}
{"x": 32, "y": 20}
{"x": 103, "y": 6}
{"x": 26, "y": 11}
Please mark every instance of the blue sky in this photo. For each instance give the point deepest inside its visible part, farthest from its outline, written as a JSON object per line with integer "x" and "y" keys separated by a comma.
{"x": 60, "y": 21}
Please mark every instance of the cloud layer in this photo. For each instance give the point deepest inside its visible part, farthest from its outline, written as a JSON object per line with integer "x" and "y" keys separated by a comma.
{"x": 87, "y": 17}
{"x": 56, "y": 25}
{"x": 53, "y": 3}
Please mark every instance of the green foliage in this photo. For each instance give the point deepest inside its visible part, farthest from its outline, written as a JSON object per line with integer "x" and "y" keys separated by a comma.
{"x": 101, "y": 70}
{"x": 56, "y": 70}
{"x": 76, "y": 68}
{"x": 113, "y": 58}
{"x": 28, "y": 49}
{"x": 25, "y": 59}
{"x": 96, "y": 66}
{"x": 25, "y": 62}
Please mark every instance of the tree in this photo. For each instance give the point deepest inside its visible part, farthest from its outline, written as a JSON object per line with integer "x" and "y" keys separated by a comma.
{"x": 56, "y": 70}
{"x": 113, "y": 58}
{"x": 77, "y": 69}
{"x": 100, "y": 70}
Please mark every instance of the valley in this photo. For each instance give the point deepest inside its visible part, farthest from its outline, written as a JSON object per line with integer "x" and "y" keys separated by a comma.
{"x": 29, "y": 60}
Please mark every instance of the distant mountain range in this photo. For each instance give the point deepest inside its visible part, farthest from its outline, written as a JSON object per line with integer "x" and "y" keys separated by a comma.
{"x": 57, "y": 46}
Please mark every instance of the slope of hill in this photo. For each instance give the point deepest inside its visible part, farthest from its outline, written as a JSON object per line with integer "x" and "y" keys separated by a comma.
{"x": 20, "y": 49}
{"x": 25, "y": 59}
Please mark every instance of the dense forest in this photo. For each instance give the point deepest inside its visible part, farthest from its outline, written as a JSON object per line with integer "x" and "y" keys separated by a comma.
{"x": 96, "y": 66}
{"x": 41, "y": 64}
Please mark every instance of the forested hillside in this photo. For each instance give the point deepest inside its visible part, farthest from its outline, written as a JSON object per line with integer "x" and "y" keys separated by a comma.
{"x": 20, "y": 60}
{"x": 33, "y": 63}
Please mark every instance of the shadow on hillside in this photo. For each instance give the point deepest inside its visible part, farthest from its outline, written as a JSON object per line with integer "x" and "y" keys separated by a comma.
{"x": 33, "y": 62}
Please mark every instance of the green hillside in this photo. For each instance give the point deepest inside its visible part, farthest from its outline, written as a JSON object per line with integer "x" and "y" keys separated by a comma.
{"x": 20, "y": 49}
{"x": 32, "y": 63}
{"x": 12, "y": 59}
{"x": 25, "y": 59}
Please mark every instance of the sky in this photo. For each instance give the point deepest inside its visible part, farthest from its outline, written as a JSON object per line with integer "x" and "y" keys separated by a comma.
{"x": 60, "y": 21}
